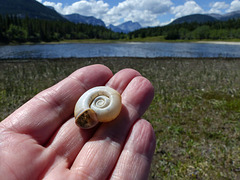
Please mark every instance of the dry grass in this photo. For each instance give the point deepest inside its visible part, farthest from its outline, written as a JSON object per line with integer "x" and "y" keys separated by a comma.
{"x": 195, "y": 112}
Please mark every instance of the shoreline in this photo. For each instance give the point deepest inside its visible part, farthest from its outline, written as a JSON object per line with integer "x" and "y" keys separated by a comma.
{"x": 219, "y": 42}
{"x": 25, "y": 60}
{"x": 136, "y": 40}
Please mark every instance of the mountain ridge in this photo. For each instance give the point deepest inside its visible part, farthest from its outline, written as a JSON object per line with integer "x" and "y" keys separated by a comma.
{"x": 30, "y": 8}
{"x": 77, "y": 18}
{"x": 203, "y": 18}
{"x": 125, "y": 27}
{"x": 199, "y": 18}
{"x": 34, "y": 9}
{"x": 227, "y": 16}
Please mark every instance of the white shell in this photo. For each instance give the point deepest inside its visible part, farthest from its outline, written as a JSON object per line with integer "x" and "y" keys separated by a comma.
{"x": 99, "y": 104}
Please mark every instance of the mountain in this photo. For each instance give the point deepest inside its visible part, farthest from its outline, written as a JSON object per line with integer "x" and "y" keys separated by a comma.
{"x": 202, "y": 18}
{"x": 114, "y": 28}
{"x": 216, "y": 16}
{"x": 225, "y": 17}
{"x": 199, "y": 18}
{"x": 125, "y": 27}
{"x": 30, "y": 8}
{"x": 77, "y": 18}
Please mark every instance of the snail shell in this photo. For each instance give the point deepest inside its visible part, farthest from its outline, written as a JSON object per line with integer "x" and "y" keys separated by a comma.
{"x": 99, "y": 104}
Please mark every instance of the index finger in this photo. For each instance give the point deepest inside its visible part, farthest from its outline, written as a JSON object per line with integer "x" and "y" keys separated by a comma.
{"x": 46, "y": 112}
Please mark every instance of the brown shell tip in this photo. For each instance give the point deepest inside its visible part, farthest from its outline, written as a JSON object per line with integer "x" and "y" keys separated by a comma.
{"x": 87, "y": 119}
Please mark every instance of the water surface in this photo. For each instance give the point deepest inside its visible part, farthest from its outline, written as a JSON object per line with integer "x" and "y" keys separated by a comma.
{"x": 160, "y": 49}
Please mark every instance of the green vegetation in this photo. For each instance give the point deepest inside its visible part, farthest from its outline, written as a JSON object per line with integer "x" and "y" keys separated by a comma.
{"x": 20, "y": 30}
{"x": 218, "y": 30}
{"x": 25, "y": 30}
{"x": 195, "y": 111}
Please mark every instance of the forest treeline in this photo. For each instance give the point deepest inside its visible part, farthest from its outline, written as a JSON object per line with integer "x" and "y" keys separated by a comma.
{"x": 14, "y": 29}
{"x": 219, "y": 30}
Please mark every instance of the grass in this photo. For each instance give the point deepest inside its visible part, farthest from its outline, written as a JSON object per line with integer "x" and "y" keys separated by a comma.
{"x": 195, "y": 112}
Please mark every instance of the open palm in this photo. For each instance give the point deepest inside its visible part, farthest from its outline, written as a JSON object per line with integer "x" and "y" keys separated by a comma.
{"x": 41, "y": 141}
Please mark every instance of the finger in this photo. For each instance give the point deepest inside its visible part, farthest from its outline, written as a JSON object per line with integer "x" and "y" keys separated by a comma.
{"x": 135, "y": 159}
{"x": 70, "y": 139}
{"x": 48, "y": 110}
{"x": 99, "y": 155}
{"x": 120, "y": 80}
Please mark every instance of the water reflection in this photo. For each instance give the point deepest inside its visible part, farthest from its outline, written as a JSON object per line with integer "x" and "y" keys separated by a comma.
{"x": 120, "y": 50}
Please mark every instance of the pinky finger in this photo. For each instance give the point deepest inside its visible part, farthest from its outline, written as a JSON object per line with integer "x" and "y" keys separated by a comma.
{"x": 135, "y": 159}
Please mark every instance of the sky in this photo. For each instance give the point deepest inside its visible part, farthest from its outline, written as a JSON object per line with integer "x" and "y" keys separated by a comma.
{"x": 148, "y": 13}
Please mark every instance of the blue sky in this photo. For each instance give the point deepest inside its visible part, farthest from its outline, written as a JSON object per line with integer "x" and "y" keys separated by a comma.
{"x": 146, "y": 12}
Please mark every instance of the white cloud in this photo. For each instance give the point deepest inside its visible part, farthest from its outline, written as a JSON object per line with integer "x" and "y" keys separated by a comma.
{"x": 144, "y": 17}
{"x": 189, "y": 7}
{"x": 57, "y": 6}
{"x": 217, "y": 7}
{"x": 143, "y": 11}
{"x": 234, "y": 6}
{"x": 83, "y": 7}
{"x": 146, "y": 12}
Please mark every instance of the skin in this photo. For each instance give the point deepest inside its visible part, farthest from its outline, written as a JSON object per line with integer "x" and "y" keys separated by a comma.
{"x": 40, "y": 140}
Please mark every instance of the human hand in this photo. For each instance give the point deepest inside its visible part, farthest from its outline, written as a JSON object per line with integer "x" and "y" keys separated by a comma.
{"x": 40, "y": 140}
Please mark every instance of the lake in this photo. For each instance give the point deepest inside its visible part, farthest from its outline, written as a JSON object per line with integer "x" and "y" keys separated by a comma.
{"x": 160, "y": 49}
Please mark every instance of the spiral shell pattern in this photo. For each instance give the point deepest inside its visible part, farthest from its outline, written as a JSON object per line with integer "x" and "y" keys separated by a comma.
{"x": 99, "y": 104}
